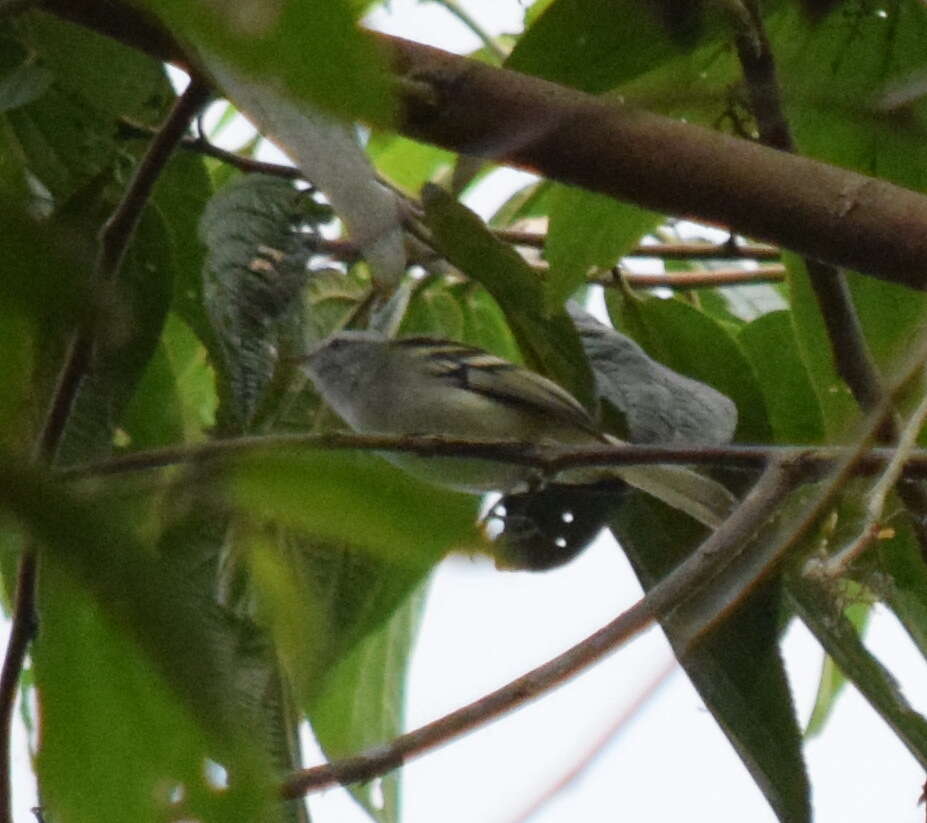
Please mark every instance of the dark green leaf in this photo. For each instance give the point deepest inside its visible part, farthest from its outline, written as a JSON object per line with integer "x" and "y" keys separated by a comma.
{"x": 837, "y": 75}
{"x": 363, "y": 703}
{"x": 125, "y": 344}
{"x": 99, "y": 71}
{"x": 124, "y": 629}
{"x": 841, "y": 641}
{"x": 736, "y": 668}
{"x": 253, "y": 277}
{"x": 270, "y": 43}
{"x": 833, "y": 681}
{"x": 23, "y": 85}
{"x": 595, "y": 45}
{"x": 434, "y": 312}
{"x": 359, "y": 500}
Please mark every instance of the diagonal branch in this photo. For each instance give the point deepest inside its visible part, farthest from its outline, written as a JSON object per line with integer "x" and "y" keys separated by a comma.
{"x": 758, "y": 506}
{"x": 701, "y": 585}
{"x": 848, "y": 345}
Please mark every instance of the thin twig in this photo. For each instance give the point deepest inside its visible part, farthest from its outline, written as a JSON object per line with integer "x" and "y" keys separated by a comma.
{"x": 852, "y": 356}
{"x": 669, "y": 251}
{"x": 615, "y": 729}
{"x": 549, "y": 459}
{"x": 757, "y": 507}
{"x": 713, "y": 278}
{"x": 114, "y": 239}
{"x": 454, "y": 8}
{"x": 837, "y": 564}
{"x": 201, "y": 145}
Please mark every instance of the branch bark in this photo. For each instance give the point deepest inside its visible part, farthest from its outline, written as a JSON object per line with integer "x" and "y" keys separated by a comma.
{"x": 820, "y": 211}
{"x": 757, "y": 507}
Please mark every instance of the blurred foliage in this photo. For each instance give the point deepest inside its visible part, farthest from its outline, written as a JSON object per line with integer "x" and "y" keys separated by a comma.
{"x": 194, "y": 619}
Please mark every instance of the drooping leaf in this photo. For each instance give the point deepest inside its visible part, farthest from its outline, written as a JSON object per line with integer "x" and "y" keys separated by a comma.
{"x": 841, "y": 641}
{"x": 147, "y": 629}
{"x": 833, "y": 681}
{"x": 736, "y": 668}
{"x": 545, "y": 335}
{"x": 588, "y": 230}
{"x": 794, "y": 412}
{"x": 363, "y": 703}
{"x": 360, "y": 500}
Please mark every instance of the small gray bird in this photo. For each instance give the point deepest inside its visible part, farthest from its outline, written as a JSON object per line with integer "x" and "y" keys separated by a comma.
{"x": 423, "y": 386}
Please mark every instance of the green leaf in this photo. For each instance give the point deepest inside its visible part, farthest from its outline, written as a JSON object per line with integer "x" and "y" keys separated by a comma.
{"x": 23, "y": 85}
{"x": 180, "y": 197}
{"x": 595, "y": 45}
{"x": 833, "y": 681}
{"x": 124, "y": 346}
{"x": 99, "y": 71}
{"x": 406, "y": 162}
{"x": 433, "y": 312}
{"x": 794, "y": 412}
{"x": 588, "y": 230}
{"x": 691, "y": 343}
{"x": 253, "y": 277}
{"x": 363, "y": 703}
{"x": 270, "y": 44}
{"x": 98, "y": 694}
{"x": 547, "y": 338}
{"x": 124, "y": 629}
{"x": 834, "y": 397}
{"x": 836, "y": 75}
{"x": 68, "y": 134}
{"x": 357, "y": 499}
{"x": 736, "y": 668}
{"x": 902, "y": 561}
{"x": 841, "y": 641}
{"x": 484, "y": 323}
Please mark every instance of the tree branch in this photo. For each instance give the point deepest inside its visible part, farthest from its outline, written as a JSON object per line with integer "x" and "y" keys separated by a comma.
{"x": 818, "y": 210}
{"x": 850, "y": 351}
{"x": 548, "y": 459}
{"x": 731, "y": 547}
{"x": 757, "y": 507}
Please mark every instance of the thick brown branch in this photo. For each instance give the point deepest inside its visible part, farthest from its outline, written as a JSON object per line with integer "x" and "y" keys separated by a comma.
{"x": 818, "y": 210}
{"x": 822, "y": 211}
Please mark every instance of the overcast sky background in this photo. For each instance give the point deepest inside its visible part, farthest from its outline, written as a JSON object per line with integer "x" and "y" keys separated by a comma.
{"x": 482, "y": 628}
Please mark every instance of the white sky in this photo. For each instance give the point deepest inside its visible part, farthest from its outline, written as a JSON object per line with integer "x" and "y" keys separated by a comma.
{"x": 483, "y": 628}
